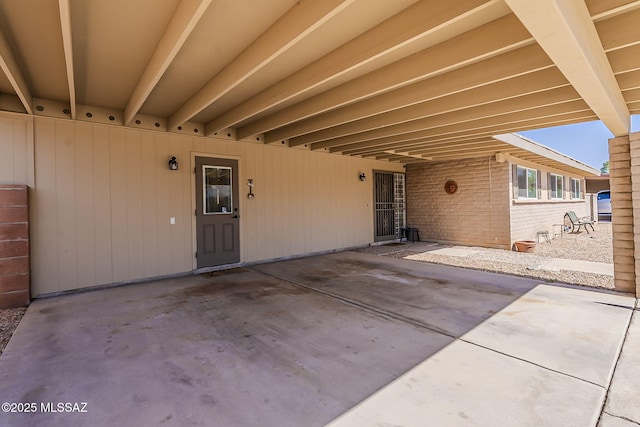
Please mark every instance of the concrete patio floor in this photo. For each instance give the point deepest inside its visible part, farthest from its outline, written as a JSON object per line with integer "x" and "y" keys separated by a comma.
{"x": 345, "y": 339}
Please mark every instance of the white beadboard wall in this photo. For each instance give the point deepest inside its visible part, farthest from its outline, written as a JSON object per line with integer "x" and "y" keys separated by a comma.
{"x": 16, "y": 149}
{"x": 104, "y": 196}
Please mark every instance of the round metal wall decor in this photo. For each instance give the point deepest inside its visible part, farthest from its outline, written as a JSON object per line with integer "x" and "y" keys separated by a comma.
{"x": 451, "y": 187}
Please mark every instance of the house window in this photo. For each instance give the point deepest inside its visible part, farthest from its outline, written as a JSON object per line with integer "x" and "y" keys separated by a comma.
{"x": 575, "y": 188}
{"x": 555, "y": 186}
{"x": 527, "y": 183}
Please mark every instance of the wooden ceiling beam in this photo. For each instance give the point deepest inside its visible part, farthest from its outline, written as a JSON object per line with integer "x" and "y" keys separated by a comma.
{"x": 427, "y": 94}
{"x": 544, "y": 81}
{"x": 452, "y": 146}
{"x": 394, "y": 153}
{"x": 454, "y": 149}
{"x": 539, "y": 123}
{"x": 415, "y": 143}
{"x": 355, "y": 133}
{"x": 427, "y": 18}
{"x": 629, "y": 80}
{"x": 463, "y": 141}
{"x": 565, "y": 30}
{"x": 632, "y": 95}
{"x": 12, "y": 71}
{"x": 619, "y": 31}
{"x": 67, "y": 46}
{"x": 399, "y": 158}
{"x": 492, "y": 39}
{"x": 474, "y": 155}
{"x": 418, "y": 139}
{"x": 601, "y": 9}
{"x": 182, "y": 23}
{"x": 625, "y": 60}
{"x": 302, "y": 19}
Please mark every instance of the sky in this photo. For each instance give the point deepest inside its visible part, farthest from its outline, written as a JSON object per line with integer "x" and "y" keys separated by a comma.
{"x": 587, "y": 142}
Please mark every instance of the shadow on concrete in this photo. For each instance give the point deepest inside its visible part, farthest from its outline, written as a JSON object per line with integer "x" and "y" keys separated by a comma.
{"x": 297, "y": 342}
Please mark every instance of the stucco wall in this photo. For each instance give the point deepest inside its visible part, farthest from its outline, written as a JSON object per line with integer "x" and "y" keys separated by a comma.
{"x": 104, "y": 196}
{"x": 477, "y": 214}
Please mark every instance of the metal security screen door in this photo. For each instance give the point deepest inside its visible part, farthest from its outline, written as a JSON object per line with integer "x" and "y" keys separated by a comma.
{"x": 389, "y": 205}
{"x": 217, "y": 215}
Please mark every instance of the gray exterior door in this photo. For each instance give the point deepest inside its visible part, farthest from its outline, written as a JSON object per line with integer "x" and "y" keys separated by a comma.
{"x": 217, "y": 212}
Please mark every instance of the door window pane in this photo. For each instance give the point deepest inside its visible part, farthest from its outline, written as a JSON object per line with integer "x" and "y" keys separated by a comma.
{"x": 217, "y": 189}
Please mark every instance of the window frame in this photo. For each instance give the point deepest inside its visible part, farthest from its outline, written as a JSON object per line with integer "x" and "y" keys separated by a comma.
{"x": 559, "y": 195}
{"x": 573, "y": 188}
{"x": 528, "y": 173}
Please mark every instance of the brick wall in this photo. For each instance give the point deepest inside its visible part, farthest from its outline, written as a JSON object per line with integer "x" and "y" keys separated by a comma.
{"x": 595, "y": 185}
{"x": 14, "y": 246}
{"x": 530, "y": 217}
{"x": 477, "y": 214}
{"x": 483, "y": 212}
{"x": 626, "y": 220}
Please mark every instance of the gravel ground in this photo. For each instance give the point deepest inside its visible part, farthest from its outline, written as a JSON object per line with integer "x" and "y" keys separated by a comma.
{"x": 9, "y": 319}
{"x": 596, "y": 246}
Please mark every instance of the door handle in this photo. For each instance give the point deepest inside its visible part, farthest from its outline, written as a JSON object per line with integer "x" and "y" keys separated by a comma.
{"x": 236, "y": 216}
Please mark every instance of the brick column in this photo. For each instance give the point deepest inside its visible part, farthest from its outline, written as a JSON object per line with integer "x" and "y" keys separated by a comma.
{"x": 14, "y": 246}
{"x": 624, "y": 265}
{"x": 634, "y": 145}
{"x": 624, "y": 170}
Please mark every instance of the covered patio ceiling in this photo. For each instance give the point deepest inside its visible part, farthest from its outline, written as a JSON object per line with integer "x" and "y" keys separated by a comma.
{"x": 403, "y": 80}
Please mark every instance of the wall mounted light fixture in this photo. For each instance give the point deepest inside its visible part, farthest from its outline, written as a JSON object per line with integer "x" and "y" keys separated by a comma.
{"x": 250, "y": 183}
{"x": 362, "y": 177}
{"x": 173, "y": 164}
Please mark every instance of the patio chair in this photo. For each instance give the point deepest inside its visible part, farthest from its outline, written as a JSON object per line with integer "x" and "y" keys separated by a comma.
{"x": 572, "y": 223}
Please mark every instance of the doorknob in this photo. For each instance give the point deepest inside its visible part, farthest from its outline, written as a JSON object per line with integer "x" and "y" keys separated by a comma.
{"x": 236, "y": 216}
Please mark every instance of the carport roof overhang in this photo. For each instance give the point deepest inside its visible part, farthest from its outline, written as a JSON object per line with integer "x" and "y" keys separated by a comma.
{"x": 520, "y": 148}
{"x": 405, "y": 81}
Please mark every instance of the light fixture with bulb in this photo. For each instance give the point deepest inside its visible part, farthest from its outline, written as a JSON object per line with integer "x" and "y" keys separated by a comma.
{"x": 173, "y": 164}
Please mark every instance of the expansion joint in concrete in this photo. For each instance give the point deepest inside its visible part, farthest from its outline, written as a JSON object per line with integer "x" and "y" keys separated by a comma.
{"x": 634, "y": 309}
{"x": 363, "y": 306}
{"x": 622, "y": 418}
{"x": 531, "y": 363}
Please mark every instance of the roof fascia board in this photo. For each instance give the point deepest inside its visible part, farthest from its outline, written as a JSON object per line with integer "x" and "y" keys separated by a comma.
{"x": 546, "y": 152}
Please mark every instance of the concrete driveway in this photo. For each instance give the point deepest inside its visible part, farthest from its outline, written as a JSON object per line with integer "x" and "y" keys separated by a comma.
{"x": 348, "y": 339}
